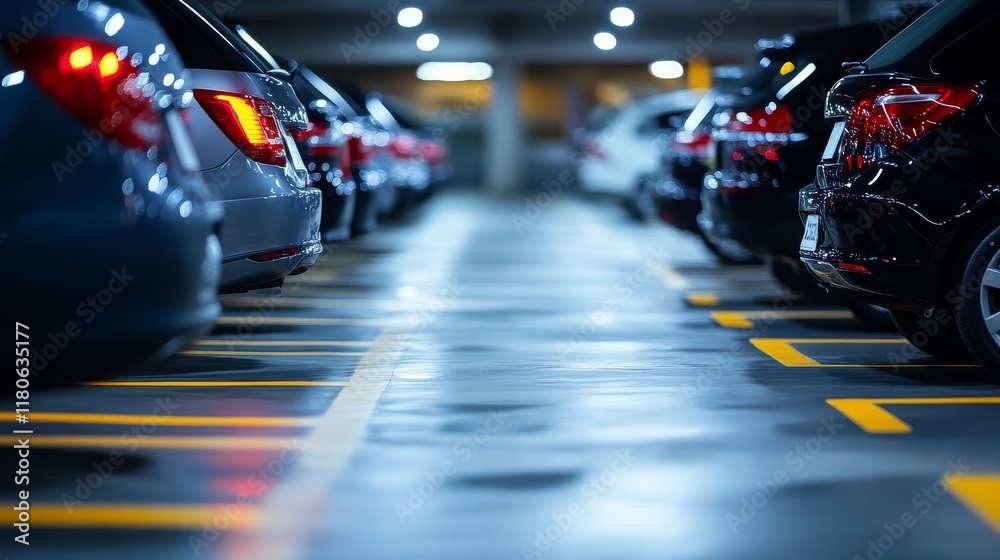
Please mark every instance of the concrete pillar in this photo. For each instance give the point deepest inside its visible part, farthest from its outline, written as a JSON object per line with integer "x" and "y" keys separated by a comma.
{"x": 857, "y": 11}
{"x": 504, "y": 140}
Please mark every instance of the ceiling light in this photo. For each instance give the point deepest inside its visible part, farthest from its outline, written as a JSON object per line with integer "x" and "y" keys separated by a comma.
{"x": 666, "y": 69}
{"x": 605, "y": 41}
{"x": 454, "y": 71}
{"x": 428, "y": 42}
{"x": 410, "y": 17}
{"x": 622, "y": 17}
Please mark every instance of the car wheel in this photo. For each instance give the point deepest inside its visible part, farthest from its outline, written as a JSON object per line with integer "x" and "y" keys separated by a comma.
{"x": 977, "y": 315}
{"x": 874, "y": 317}
{"x": 941, "y": 340}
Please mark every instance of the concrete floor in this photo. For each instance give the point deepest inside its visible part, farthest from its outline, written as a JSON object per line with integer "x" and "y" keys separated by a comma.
{"x": 570, "y": 385}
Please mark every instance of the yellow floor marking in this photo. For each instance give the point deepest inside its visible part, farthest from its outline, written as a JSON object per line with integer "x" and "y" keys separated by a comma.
{"x": 981, "y": 494}
{"x": 301, "y": 321}
{"x": 154, "y": 442}
{"x": 217, "y": 383}
{"x": 338, "y": 343}
{"x": 703, "y": 300}
{"x": 673, "y": 279}
{"x": 783, "y": 351}
{"x": 869, "y": 415}
{"x": 244, "y": 353}
{"x": 130, "y": 516}
{"x": 163, "y": 420}
{"x": 745, "y": 319}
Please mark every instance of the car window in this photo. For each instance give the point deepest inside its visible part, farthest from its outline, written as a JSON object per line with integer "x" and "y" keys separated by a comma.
{"x": 960, "y": 60}
{"x": 202, "y": 40}
{"x": 916, "y": 35}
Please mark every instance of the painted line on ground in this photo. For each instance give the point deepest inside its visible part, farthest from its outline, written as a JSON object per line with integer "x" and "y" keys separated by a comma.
{"x": 217, "y": 383}
{"x": 165, "y": 420}
{"x": 256, "y": 354}
{"x": 673, "y": 279}
{"x": 703, "y": 299}
{"x": 300, "y": 321}
{"x": 745, "y": 319}
{"x": 307, "y": 302}
{"x": 783, "y": 351}
{"x": 869, "y": 415}
{"x": 268, "y": 343}
{"x": 980, "y": 493}
{"x": 153, "y": 442}
{"x": 129, "y": 516}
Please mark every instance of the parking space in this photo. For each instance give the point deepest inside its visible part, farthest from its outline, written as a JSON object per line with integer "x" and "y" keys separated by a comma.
{"x": 484, "y": 392}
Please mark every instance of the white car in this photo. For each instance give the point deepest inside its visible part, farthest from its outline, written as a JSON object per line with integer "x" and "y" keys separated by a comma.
{"x": 616, "y": 159}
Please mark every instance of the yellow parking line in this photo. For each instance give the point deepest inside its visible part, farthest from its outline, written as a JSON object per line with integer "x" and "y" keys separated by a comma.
{"x": 783, "y": 351}
{"x": 301, "y": 321}
{"x": 217, "y": 383}
{"x": 243, "y": 353}
{"x": 979, "y": 493}
{"x": 222, "y": 342}
{"x": 164, "y": 420}
{"x": 703, "y": 300}
{"x": 745, "y": 319}
{"x": 153, "y": 442}
{"x": 131, "y": 516}
{"x": 673, "y": 279}
{"x": 869, "y": 415}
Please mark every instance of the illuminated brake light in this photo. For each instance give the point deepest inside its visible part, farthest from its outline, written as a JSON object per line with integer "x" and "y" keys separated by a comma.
{"x": 80, "y": 57}
{"x": 275, "y": 255}
{"x": 105, "y": 96}
{"x": 249, "y": 122}
{"x": 889, "y": 119}
{"x": 852, "y": 268}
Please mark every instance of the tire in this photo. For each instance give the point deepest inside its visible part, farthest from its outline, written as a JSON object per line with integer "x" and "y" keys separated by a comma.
{"x": 946, "y": 343}
{"x": 977, "y": 314}
{"x": 874, "y": 317}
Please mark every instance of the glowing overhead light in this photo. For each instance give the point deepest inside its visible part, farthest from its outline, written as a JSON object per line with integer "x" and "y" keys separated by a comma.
{"x": 605, "y": 41}
{"x": 428, "y": 42}
{"x": 622, "y": 17}
{"x": 787, "y": 68}
{"x": 410, "y": 17}
{"x": 114, "y": 24}
{"x": 454, "y": 71}
{"x": 666, "y": 69}
{"x": 12, "y": 79}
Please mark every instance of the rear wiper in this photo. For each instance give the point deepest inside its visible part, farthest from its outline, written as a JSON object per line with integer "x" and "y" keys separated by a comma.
{"x": 854, "y": 67}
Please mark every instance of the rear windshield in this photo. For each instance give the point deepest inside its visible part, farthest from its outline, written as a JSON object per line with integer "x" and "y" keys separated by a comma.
{"x": 949, "y": 18}
{"x": 202, "y": 40}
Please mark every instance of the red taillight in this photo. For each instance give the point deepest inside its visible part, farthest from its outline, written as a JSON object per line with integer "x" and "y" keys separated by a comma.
{"x": 404, "y": 146}
{"x": 360, "y": 152}
{"x": 248, "y": 121}
{"x": 92, "y": 83}
{"x": 593, "y": 150}
{"x": 318, "y": 140}
{"x": 433, "y": 151}
{"x": 889, "y": 119}
{"x": 697, "y": 144}
{"x": 275, "y": 255}
{"x": 774, "y": 119}
{"x": 852, "y": 268}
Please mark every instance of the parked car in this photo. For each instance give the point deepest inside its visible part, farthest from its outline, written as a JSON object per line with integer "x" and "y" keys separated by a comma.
{"x": 618, "y": 159}
{"x": 686, "y": 156}
{"x": 242, "y": 123}
{"x": 116, "y": 260}
{"x": 324, "y": 146}
{"x": 904, "y": 211}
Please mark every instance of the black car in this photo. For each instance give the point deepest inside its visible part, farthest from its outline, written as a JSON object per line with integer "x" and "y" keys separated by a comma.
{"x": 768, "y": 142}
{"x": 904, "y": 212}
{"x": 324, "y": 148}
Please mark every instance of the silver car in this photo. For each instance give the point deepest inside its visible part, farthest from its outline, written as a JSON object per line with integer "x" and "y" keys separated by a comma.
{"x": 242, "y": 121}
{"x": 107, "y": 237}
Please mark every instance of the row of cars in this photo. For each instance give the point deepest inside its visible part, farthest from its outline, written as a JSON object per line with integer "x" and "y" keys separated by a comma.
{"x": 900, "y": 220}
{"x": 155, "y": 157}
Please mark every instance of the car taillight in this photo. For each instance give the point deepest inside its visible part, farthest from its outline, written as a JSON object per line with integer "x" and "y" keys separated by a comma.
{"x": 360, "y": 152}
{"x": 697, "y": 144}
{"x": 774, "y": 119}
{"x": 593, "y": 150}
{"x": 91, "y": 82}
{"x": 248, "y": 121}
{"x": 318, "y": 141}
{"x": 403, "y": 146}
{"x": 432, "y": 151}
{"x": 889, "y": 119}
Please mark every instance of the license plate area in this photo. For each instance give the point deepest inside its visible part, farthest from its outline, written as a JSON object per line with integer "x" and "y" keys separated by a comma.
{"x": 810, "y": 239}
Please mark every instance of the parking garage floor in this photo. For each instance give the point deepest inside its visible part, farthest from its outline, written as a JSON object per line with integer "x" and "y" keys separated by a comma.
{"x": 468, "y": 384}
